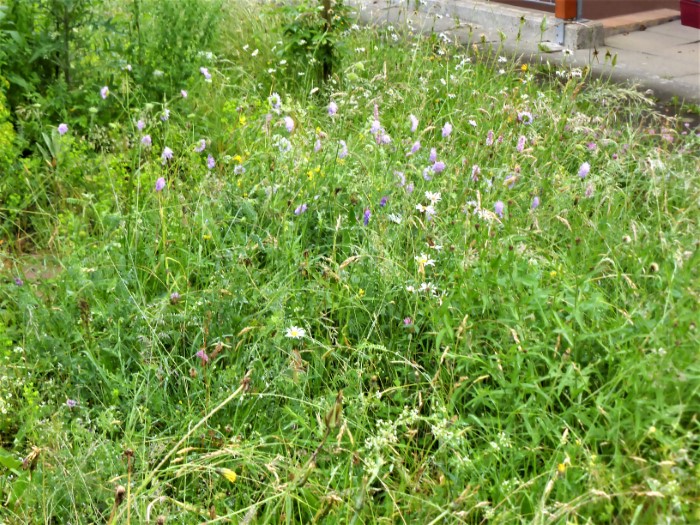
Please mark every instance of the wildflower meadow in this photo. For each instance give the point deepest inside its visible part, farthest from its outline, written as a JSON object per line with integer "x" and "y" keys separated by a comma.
{"x": 261, "y": 264}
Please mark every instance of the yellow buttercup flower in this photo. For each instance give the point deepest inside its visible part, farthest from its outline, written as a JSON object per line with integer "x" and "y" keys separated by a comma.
{"x": 228, "y": 474}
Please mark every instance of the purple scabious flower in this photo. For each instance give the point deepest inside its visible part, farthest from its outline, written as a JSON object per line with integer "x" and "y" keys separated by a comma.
{"x": 289, "y": 124}
{"x": 199, "y": 148}
{"x": 521, "y": 143}
{"x": 476, "y": 171}
{"x": 407, "y": 321}
{"x": 239, "y": 170}
{"x": 426, "y": 174}
{"x": 317, "y": 145}
{"x": 383, "y": 202}
{"x": 409, "y": 188}
{"x": 375, "y": 127}
{"x": 438, "y": 167}
{"x": 183, "y": 93}
{"x": 167, "y": 154}
{"x": 489, "y": 138}
{"x": 498, "y": 208}
{"x": 146, "y": 141}
{"x": 525, "y": 117}
{"x": 592, "y": 146}
{"x": 211, "y": 163}
{"x": 401, "y": 177}
{"x": 201, "y": 354}
{"x": 446, "y": 130}
{"x": 160, "y": 184}
{"x": 332, "y": 109}
{"x": 433, "y": 155}
{"x": 414, "y": 123}
{"x": 384, "y": 138}
{"x": 19, "y": 282}
{"x": 535, "y": 203}
{"x": 366, "y": 216}
{"x": 414, "y": 148}
{"x": 62, "y": 129}
{"x": 71, "y": 403}
{"x": 584, "y": 170}
{"x": 300, "y": 209}
{"x": 205, "y": 71}
{"x": 165, "y": 115}
{"x": 104, "y": 92}
{"x": 174, "y": 298}
{"x": 140, "y": 125}
{"x": 343, "y": 149}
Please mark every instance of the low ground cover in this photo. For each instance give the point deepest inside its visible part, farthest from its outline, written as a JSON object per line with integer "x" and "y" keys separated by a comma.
{"x": 443, "y": 286}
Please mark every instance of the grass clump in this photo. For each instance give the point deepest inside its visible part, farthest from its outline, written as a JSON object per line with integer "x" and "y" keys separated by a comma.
{"x": 425, "y": 291}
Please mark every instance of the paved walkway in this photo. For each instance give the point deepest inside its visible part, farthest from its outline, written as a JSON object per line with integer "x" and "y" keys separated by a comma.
{"x": 664, "y": 58}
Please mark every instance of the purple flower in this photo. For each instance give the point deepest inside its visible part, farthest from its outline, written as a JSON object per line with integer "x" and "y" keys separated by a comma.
{"x": 409, "y": 188}
{"x": 146, "y": 140}
{"x": 289, "y": 124}
{"x": 300, "y": 209}
{"x": 317, "y": 145}
{"x": 165, "y": 115}
{"x": 332, "y": 108}
{"x": 476, "y": 171}
{"x": 614, "y": 156}
{"x": 525, "y": 117}
{"x": 203, "y": 356}
{"x": 19, "y": 282}
{"x": 174, "y": 298}
{"x": 183, "y": 93}
{"x": 140, "y": 125}
{"x": 383, "y": 202}
{"x": 210, "y": 162}
{"x": 376, "y": 126}
{"x": 535, "y": 203}
{"x": 439, "y": 166}
{"x": 366, "y": 216}
{"x": 446, "y": 130}
{"x": 433, "y": 155}
{"x": 414, "y": 123}
{"x": 407, "y": 321}
{"x": 62, "y": 129}
{"x": 239, "y": 170}
{"x": 426, "y": 174}
{"x": 275, "y": 102}
{"x": 489, "y": 138}
{"x": 167, "y": 154}
{"x": 71, "y": 403}
{"x": 521, "y": 143}
{"x": 204, "y": 71}
{"x": 401, "y": 177}
{"x": 384, "y": 138}
{"x": 414, "y": 148}
{"x": 199, "y": 148}
{"x": 498, "y": 208}
{"x": 160, "y": 184}
{"x": 584, "y": 170}
{"x": 104, "y": 92}
{"x": 592, "y": 146}
{"x": 343, "y": 149}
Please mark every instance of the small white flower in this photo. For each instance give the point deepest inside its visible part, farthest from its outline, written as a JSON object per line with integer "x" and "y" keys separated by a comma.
{"x": 502, "y": 60}
{"x": 294, "y": 332}
{"x": 423, "y": 260}
{"x": 395, "y": 217}
{"x": 255, "y": 53}
{"x": 433, "y": 197}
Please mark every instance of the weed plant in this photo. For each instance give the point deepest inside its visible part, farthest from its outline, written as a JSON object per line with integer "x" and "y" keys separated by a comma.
{"x": 434, "y": 289}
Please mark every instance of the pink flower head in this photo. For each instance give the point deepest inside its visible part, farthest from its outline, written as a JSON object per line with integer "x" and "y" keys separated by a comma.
{"x": 489, "y": 138}
{"x": 104, "y": 92}
{"x": 289, "y": 124}
{"x": 521, "y": 143}
{"x": 203, "y": 356}
{"x": 498, "y": 208}
{"x": 414, "y": 123}
{"x": 62, "y": 129}
{"x": 183, "y": 93}
{"x": 446, "y": 130}
{"x": 167, "y": 154}
{"x": 584, "y": 170}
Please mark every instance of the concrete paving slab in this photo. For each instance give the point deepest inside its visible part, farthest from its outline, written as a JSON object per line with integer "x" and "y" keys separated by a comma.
{"x": 675, "y": 28}
{"x": 643, "y": 42}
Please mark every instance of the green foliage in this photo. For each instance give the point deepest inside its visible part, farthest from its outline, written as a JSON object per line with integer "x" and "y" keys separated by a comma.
{"x": 456, "y": 366}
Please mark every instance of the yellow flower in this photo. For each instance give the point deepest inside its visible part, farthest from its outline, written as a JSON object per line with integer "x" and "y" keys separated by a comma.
{"x": 361, "y": 293}
{"x": 553, "y": 274}
{"x": 523, "y": 67}
{"x": 228, "y": 474}
{"x": 561, "y": 468}
{"x": 238, "y": 159}
{"x": 242, "y": 120}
